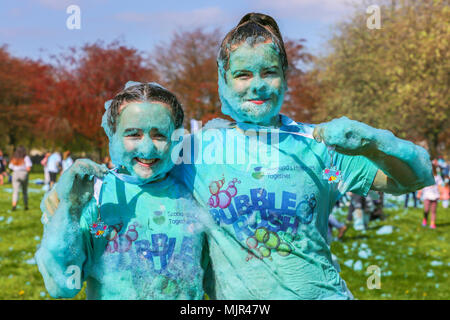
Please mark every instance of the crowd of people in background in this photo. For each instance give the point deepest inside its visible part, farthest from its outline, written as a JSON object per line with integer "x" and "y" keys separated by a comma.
{"x": 360, "y": 209}
{"x": 16, "y": 171}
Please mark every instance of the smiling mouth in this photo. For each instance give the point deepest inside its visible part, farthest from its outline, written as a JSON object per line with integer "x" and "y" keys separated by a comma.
{"x": 147, "y": 162}
{"x": 258, "y": 101}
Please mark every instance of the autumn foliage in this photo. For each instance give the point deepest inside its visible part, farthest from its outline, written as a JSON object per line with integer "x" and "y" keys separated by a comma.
{"x": 60, "y": 104}
{"x": 395, "y": 78}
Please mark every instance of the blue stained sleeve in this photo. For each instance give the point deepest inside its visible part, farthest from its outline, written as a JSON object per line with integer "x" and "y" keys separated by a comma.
{"x": 358, "y": 173}
{"x": 65, "y": 250}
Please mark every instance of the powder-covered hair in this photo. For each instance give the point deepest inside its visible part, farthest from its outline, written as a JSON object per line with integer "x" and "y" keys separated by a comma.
{"x": 144, "y": 92}
{"x": 253, "y": 28}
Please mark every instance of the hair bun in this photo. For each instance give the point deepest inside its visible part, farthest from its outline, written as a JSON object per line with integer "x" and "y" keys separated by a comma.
{"x": 261, "y": 19}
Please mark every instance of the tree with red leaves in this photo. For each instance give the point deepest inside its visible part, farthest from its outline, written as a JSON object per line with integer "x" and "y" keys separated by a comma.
{"x": 23, "y": 89}
{"x": 187, "y": 66}
{"x": 86, "y": 79}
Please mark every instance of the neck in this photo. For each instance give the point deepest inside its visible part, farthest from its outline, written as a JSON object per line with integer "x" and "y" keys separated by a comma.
{"x": 274, "y": 122}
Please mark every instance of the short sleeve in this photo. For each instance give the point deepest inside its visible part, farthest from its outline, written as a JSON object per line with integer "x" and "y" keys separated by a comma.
{"x": 358, "y": 173}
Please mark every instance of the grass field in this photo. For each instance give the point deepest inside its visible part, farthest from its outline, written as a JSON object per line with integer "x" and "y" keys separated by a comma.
{"x": 414, "y": 261}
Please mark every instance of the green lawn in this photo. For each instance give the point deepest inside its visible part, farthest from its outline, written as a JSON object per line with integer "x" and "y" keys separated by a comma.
{"x": 20, "y": 234}
{"x": 414, "y": 261}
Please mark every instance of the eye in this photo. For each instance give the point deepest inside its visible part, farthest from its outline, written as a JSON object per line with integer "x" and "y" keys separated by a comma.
{"x": 133, "y": 133}
{"x": 158, "y": 136}
{"x": 269, "y": 73}
{"x": 243, "y": 75}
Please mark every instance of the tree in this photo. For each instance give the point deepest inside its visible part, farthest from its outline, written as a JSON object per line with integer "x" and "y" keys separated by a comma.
{"x": 23, "y": 87}
{"x": 86, "y": 78}
{"x": 302, "y": 89}
{"x": 395, "y": 77}
{"x": 187, "y": 66}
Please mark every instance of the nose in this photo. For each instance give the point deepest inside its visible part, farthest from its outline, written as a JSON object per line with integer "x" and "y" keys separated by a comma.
{"x": 146, "y": 147}
{"x": 258, "y": 85}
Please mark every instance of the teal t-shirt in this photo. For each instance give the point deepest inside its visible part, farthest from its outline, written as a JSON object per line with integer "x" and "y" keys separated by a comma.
{"x": 153, "y": 248}
{"x": 270, "y": 208}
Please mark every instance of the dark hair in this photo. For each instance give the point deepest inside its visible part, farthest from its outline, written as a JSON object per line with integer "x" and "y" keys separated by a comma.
{"x": 259, "y": 28}
{"x": 19, "y": 156}
{"x": 144, "y": 92}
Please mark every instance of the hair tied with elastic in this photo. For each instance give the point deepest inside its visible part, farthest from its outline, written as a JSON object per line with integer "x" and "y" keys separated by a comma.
{"x": 134, "y": 83}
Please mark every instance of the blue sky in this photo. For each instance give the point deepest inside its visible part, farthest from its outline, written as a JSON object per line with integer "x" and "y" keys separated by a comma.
{"x": 37, "y": 28}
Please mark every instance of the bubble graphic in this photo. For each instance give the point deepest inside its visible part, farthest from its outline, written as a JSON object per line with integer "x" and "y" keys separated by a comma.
{"x": 264, "y": 251}
{"x": 284, "y": 249}
{"x": 262, "y": 235}
{"x": 252, "y": 243}
{"x": 273, "y": 241}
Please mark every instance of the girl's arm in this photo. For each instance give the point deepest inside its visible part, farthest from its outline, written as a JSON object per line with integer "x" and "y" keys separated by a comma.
{"x": 61, "y": 255}
{"x": 403, "y": 166}
{"x": 63, "y": 251}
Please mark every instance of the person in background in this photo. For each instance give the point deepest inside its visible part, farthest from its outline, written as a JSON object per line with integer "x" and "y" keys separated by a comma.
{"x": 334, "y": 223}
{"x": 20, "y": 165}
{"x": 67, "y": 161}
{"x": 46, "y": 174}
{"x": 431, "y": 195}
{"x": 445, "y": 192}
{"x": 3, "y": 172}
{"x": 443, "y": 167}
{"x": 53, "y": 166}
{"x": 407, "y": 198}
{"x": 356, "y": 211}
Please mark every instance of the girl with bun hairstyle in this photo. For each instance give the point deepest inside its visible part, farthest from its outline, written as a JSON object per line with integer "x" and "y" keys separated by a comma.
{"x": 272, "y": 213}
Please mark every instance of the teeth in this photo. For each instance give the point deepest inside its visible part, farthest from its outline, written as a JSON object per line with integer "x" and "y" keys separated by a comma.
{"x": 147, "y": 161}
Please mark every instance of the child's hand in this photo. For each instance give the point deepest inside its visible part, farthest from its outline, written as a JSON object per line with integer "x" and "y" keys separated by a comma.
{"x": 347, "y": 136}
{"x": 76, "y": 185}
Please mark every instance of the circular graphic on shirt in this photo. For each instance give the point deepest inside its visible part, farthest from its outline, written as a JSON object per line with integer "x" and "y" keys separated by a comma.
{"x": 264, "y": 251}
{"x": 272, "y": 241}
{"x": 262, "y": 234}
{"x": 284, "y": 249}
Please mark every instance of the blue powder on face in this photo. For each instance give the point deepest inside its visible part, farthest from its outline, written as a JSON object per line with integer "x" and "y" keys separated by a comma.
{"x": 124, "y": 149}
{"x": 255, "y": 74}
